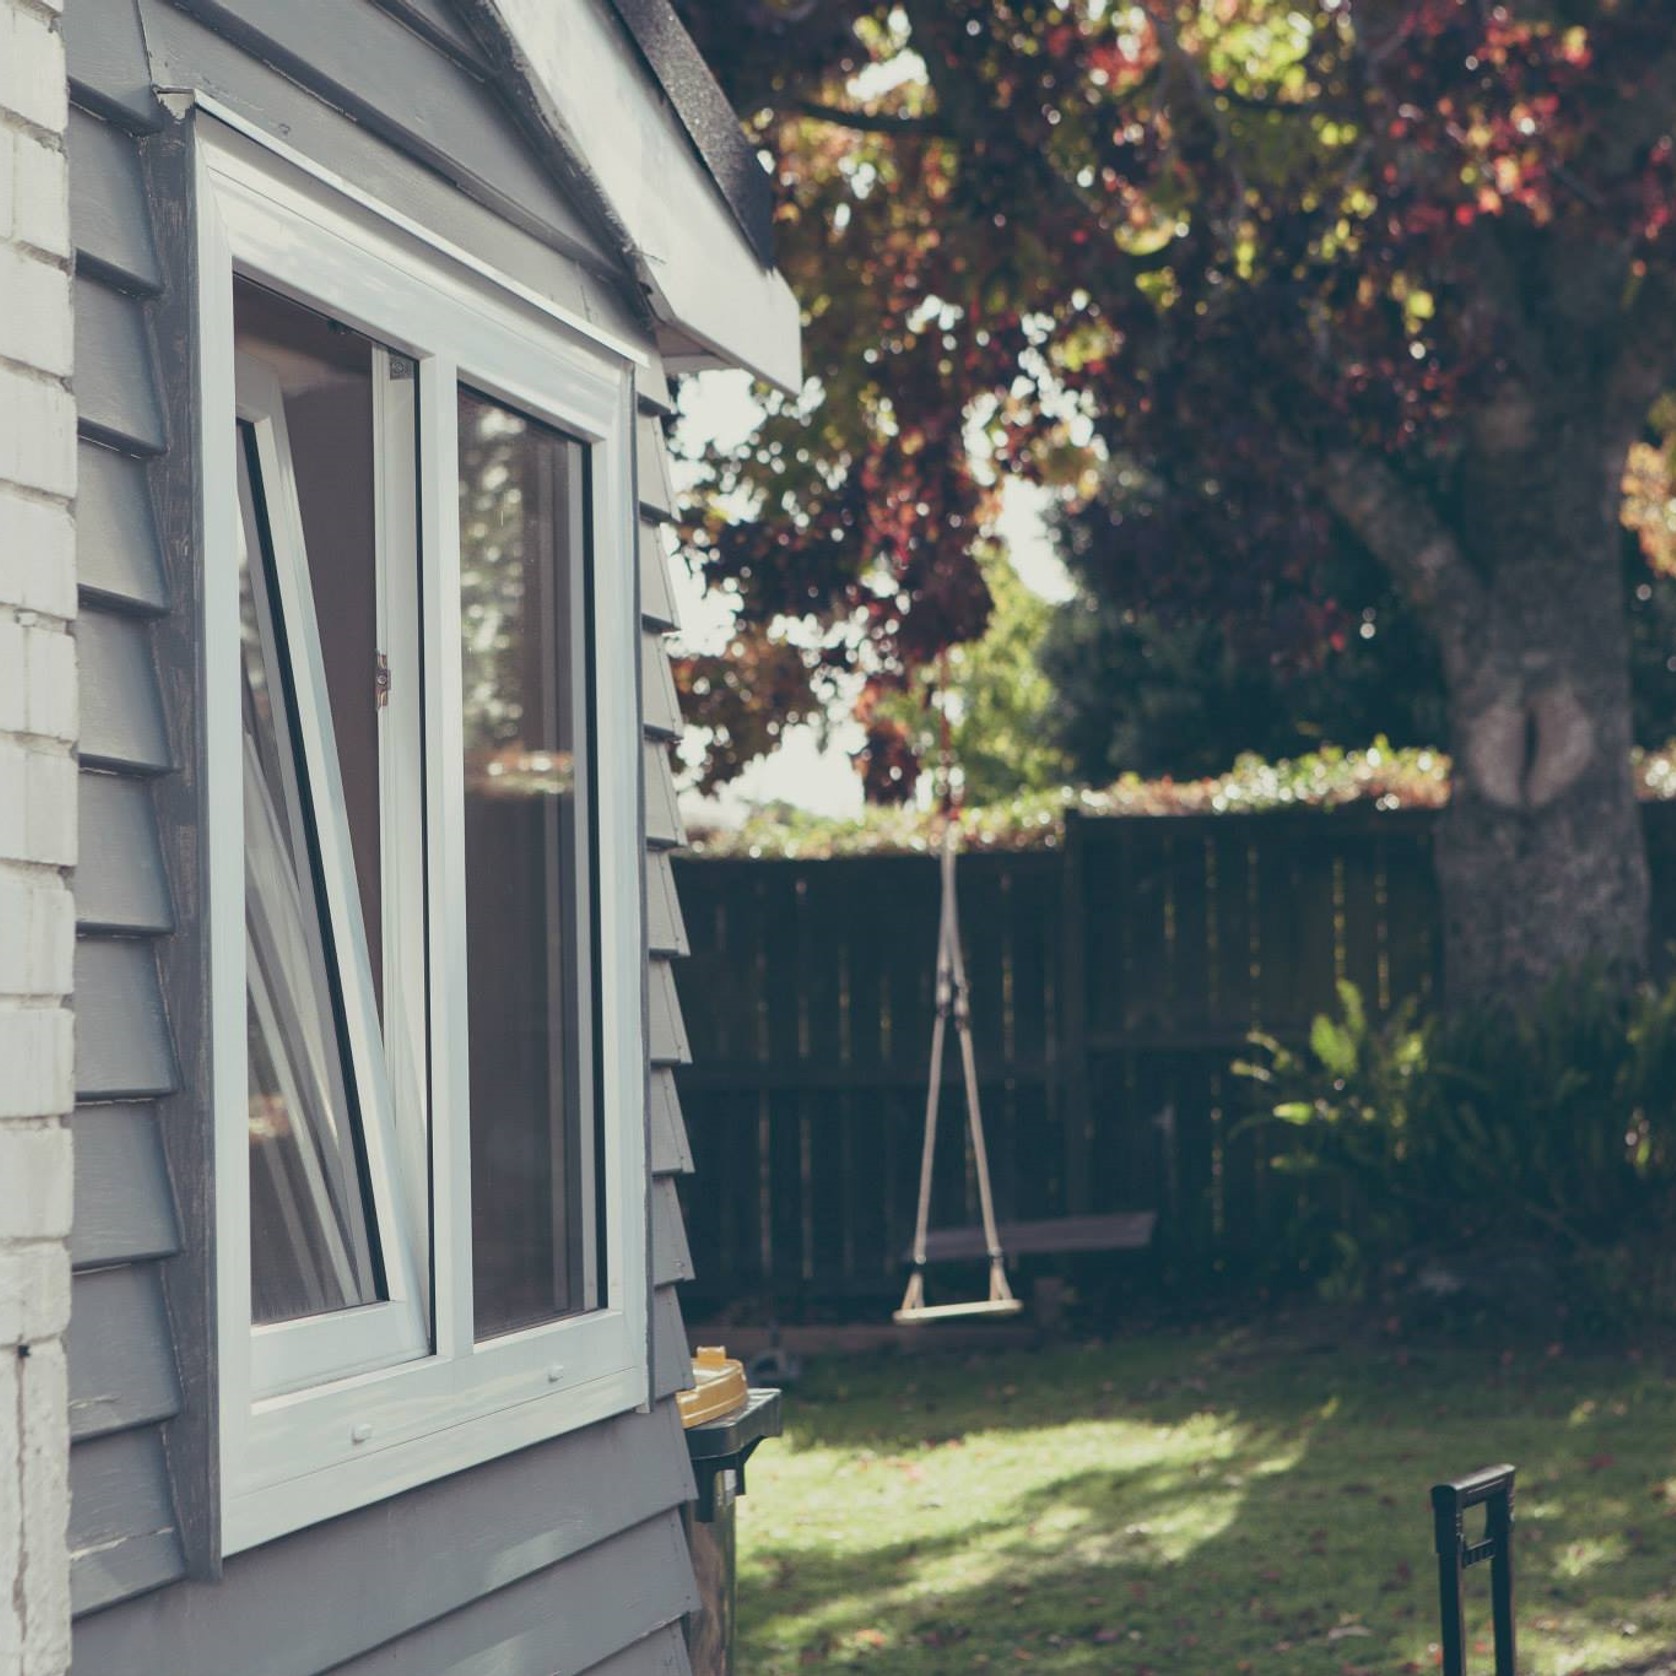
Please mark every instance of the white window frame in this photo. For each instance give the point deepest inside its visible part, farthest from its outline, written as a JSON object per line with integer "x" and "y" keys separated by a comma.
{"x": 292, "y": 1457}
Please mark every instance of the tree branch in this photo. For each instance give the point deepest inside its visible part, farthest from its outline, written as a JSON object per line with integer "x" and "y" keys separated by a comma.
{"x": 873, "y": 122}
{"x": 1499, "y": 275}
{"x": 1644, "y": 367}
{"x": 1203, "y": 96}
{"x": 1401, "y": 530}
{"x": 1635, "y": 125}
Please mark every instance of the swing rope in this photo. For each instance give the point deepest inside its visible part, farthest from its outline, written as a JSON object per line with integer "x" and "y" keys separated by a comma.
{"x": 954, "y": 1001}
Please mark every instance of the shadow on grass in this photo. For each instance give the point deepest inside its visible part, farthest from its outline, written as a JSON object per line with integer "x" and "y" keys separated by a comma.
{"x": 1197, "y": 1504}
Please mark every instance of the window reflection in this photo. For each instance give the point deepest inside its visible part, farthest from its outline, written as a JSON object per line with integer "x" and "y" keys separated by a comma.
{"x": 521, "y": 606}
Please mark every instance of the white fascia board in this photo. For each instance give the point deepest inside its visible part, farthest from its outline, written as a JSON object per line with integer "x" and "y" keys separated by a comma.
{"x": 705, "y": 280}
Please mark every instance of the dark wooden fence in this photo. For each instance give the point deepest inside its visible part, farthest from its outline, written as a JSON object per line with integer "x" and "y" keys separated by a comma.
{"x": 1114, "y": 980}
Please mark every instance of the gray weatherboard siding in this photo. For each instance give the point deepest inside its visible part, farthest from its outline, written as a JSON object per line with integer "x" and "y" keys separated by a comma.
{"x": 564, "y": 1557}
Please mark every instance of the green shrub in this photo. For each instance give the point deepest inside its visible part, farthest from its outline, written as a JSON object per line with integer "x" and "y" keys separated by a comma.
{"x": 1549, "y": 1129}
{"x": 1326, "y": 779}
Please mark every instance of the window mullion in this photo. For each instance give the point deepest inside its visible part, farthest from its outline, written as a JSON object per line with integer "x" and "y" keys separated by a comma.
{"x": 580, "y": 678}
{"x": 401, "y": 763}
{"x": 445, "y": 826}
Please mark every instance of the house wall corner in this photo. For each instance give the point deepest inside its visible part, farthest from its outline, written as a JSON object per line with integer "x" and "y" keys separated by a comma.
{"x": 38, "y": 730}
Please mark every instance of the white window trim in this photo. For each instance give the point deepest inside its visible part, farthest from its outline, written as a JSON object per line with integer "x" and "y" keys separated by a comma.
{"x": 292, "y": 1459}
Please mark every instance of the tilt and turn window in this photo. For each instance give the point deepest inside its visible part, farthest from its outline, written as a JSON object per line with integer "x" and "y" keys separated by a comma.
{"x": 431, "y": 1223}
{"x": 326, "y": 431}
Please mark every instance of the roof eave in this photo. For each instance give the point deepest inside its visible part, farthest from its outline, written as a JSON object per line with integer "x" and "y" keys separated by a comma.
{"x": 701, "y": 276}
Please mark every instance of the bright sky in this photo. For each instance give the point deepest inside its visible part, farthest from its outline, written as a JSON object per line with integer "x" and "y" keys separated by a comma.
{"x": 718, "y": 406}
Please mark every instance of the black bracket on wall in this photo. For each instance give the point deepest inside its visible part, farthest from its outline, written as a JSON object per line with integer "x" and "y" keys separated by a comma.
{"x": 725, "y": 1445}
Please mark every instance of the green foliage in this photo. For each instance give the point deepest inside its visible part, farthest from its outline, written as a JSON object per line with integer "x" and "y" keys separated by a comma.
{"x": 1287, "y": 661}
{"x": 1142, "y": 695}
{"x": 1281, "y": 663}
{"x": 1554, "y": 1125}
{"x": 999, "y": 703}
{"x": 1325, "y": 779}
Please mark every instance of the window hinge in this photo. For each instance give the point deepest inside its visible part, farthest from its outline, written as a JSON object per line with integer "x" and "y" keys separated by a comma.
{"x": 381, "y": 680}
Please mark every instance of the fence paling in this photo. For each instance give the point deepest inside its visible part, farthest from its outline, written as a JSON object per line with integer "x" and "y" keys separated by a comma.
{"x": 1114, "y": 979}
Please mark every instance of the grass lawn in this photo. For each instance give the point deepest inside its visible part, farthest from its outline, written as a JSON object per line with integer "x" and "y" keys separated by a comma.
{"x": 1209, "y": 1502}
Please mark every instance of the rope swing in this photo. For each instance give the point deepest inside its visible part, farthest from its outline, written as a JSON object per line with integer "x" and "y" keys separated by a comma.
{"x": 954, "y": 1001}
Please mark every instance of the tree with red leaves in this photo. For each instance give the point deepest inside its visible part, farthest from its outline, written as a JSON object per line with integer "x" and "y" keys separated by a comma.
{"x": 1394, "y": 272}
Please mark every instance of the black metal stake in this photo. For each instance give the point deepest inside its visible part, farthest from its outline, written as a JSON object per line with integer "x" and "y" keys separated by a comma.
{"x": 1493, "y": 1490}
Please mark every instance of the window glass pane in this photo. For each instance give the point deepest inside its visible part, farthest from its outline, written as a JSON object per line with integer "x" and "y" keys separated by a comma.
{"x": 521, "y": 581}
{"x": 308, "y": 607}
{"x": 325, "y": 374}
{"x": 310, "y": 1241}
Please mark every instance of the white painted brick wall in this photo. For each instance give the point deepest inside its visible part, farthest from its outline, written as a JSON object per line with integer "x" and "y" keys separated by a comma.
{"x": 37, "y": 554}
{"x": 35, "y": 323}
{"x": 38, "y": 440}
{"x": 33, "y": 89}
{"x": 39, "y": 205}
{"x": 37, "y": 837}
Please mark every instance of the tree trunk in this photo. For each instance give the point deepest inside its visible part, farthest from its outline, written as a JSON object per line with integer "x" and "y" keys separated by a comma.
{"x": 1541, "y": 855}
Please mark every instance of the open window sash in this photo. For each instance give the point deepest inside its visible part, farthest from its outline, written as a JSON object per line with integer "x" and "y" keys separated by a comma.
{"x": 304, "y": 946}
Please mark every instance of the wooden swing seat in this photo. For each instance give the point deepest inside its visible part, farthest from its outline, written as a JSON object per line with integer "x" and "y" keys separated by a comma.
{"x": 1057, "y": 1236}
{"x": 908, "y": 1315}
